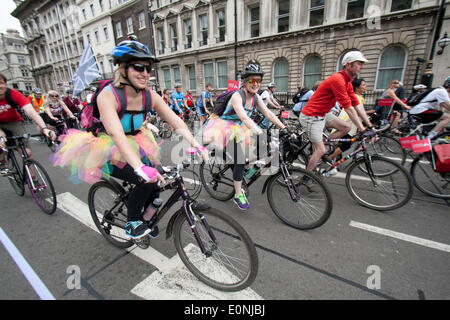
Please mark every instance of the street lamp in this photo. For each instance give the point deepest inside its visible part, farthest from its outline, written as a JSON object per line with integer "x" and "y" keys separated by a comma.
{"x": 442, "y": 43}
{"x": 419, "y": 63}
{"x": 150, "y": 18}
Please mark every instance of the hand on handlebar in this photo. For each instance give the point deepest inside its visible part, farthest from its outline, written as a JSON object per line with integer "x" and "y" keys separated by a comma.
{"x": 49, "y": 134}
{"x": 149, "y": 174}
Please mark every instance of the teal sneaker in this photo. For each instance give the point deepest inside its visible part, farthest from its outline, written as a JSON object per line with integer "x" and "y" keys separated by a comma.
{"x": 136, "y": 229}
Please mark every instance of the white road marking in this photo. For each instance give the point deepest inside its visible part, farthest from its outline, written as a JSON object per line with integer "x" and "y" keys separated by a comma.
{"x": 39, "y": 287}
{"x": 172, "y": 280}
{"x": 402, "y": 236}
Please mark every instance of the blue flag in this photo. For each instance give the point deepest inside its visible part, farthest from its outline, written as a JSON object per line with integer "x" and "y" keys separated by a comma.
{"x": 86, "y": 72}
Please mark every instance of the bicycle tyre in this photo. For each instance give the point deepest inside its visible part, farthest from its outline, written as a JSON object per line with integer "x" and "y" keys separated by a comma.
{"x": 192, "y": 182}
{"x": 307, "y": 217}
{"x": 102, "y": 197}
{"x": 47, "y": 203}
{"x": 15, "y": 177}
{"x": 421, "y": 165}
{"x": 356, "y": 184}
{"x": 212, "y": 181}
{"x": 231, "y": 240}
{"x": 388, "y": 147}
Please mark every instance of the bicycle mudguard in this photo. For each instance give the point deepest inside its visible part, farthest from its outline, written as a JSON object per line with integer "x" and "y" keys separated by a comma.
{"x": 267, "y": 182}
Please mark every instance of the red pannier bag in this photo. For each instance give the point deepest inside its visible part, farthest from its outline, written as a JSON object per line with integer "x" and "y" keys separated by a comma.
{"x": 442, "y": 157}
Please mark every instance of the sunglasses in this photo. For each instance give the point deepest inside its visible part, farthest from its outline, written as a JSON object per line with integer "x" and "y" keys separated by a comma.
{"x": 140, "y": 67}
{"x": 254, "y": 80}
{"x": 53, "y": 96}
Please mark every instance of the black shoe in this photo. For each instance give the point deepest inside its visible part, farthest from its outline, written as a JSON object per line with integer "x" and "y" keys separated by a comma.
{"x": 136, "y": 229}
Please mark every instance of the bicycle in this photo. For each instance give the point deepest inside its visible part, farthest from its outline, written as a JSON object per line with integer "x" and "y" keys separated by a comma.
{"x": 424, "y": 174}
{"x": 225, "y": 257}
{"x": 312, "y": 204}
{"x": 60, "y": 129}
{"x": 389, "y": 180}
{"x": 162, "y": 126}
{"x": 40, "y": 185}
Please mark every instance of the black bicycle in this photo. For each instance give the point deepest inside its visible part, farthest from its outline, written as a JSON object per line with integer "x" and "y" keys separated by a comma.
{"x": 60, "y": 129}
{"x": 30, "y": 172}
{"x": 297, "y": 197}
{"x": 212, "y": 245}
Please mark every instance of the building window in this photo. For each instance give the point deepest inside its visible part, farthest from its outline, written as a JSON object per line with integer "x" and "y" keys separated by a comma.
{"x": 222, "y": 74}
{"x": 312, "y": 71}
{"x": 174, "y": 36}
{"x": 162, "y": 43}
{"x": 83, "y": 12}
{"x": 208, "y": 73}
{"x": 28, "y": 86}
{"x": 141, "y": 20}
{"x": 254, "y": 22}
{"x": 355, "y": 9}
{"x": 100, "y": 4}
{"x": 24, "y": 73}
{"x": 167, "y": 81}
{"x": 283, "y": 15}
{"x": 105, "y": 32}
{"x": 176, "y": 75}
{"x": 203, "y": 29}
{"x": 88, "y": 37}
{"x": 398, "y": 5}
{"x": 316, "y": 13}
{"x": 97, "y": 38}
{"x": 281, "y": 74}
{"x": 391, "y": 65}
{"x": 221, "y": 27}
{"x": 191, "y": 74}
{"x": 130, "y": 25}
{"x": 188, "y": 33}
{"x": 119, "y": 29}
{"x": 92, "y": 10}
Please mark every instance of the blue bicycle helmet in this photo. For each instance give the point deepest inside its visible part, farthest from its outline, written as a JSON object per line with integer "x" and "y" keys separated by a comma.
{"x": 131, "y": 50}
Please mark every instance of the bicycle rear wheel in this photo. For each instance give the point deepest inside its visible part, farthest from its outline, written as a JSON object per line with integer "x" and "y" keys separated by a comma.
{"x": 311, "y": 206}
{"x": 430, "y": 182}
{"x": 217, "y": 178}
{"x": 388, "y": 147}
{"x": 15, "y": 173}
{"x": 41, "y": 187}
{"x": 230, "y": 262}
{"x": 109, "y": 213}
{"x": 388, "y": 188}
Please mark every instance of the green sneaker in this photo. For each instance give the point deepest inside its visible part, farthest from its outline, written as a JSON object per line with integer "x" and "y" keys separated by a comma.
{"x": 241, "y": 201}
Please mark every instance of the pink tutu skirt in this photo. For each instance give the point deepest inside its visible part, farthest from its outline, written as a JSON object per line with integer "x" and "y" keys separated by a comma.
{"x": 89, "y": 158}
{"x": 219, "y": 132}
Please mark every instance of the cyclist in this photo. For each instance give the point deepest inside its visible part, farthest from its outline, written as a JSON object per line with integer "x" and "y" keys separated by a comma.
{"x": 73, "y": 104}
{"x": 233, "y": 128}
{"x": 427, "y": 109}
{"x": 10, "y": 119}
{"x": 118, "y": 150}
{"x": 204, "y": 102}
{"x": 303, "y": 97}
{"x": 37, "y": 100}
{"x": 54, "y": 108}
{"x": 391, "y": 93}
{"x": 269, "y": 101}
{"x": 316, "y": 114}
{"x": 178, "y": 101}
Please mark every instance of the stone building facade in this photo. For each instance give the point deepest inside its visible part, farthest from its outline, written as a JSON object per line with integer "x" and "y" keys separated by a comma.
{"x": 15, "y": 61}
{"x": 296, "y": 42}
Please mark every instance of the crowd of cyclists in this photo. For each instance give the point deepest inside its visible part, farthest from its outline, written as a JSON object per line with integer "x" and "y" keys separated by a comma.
{"x": 126, "y": 149}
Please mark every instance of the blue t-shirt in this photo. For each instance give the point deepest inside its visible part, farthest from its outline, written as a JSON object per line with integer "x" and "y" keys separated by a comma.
{"x": 178, "y": 98}
{"x": 205, "y": 95}
{"x": 299, "y": 106}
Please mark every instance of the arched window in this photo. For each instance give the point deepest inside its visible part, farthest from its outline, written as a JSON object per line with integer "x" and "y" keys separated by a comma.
{"x": 312, "y": 70}
{"x": 281, "y": 74}
{"x": 391, "y": 65}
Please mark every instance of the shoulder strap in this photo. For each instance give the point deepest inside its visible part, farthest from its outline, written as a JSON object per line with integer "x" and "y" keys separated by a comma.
{"x": 148, "y": 103}
{"x": 9, "y": 99}
{"x": 244, "y": 98}
{"x": 121, "y": 98}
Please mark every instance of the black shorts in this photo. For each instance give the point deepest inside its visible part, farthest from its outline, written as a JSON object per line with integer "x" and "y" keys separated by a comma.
{"x": 428, "y": 116}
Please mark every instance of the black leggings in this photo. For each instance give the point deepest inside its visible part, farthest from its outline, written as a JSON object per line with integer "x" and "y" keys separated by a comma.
{"x": 141, "y": 196}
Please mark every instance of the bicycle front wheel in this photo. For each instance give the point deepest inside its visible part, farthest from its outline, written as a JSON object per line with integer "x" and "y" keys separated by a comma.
{"x": 217, "y": 178}
{"x": 41, "y": 187}
{"x": 430, "y": 182}
{"x": 109, "y": 213}
{"x": 381, "y": 184}
{"x": 388, "y": 147}
{"x": 309, "y": 204}
{"x": 230, "y": 262}
{"x": 15, "y": 174}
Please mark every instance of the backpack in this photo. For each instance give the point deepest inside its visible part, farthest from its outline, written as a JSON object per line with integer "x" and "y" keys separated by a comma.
{"x": 10, "y": 100}
{"x": 416, "y": 98}
{"x": 222, "y": 101}
{"x": 299, "y": 94}
{"x": 90, "y": 115}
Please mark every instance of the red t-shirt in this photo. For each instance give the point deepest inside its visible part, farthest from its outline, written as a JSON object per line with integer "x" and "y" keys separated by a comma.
{"x": 337, "y": 87}
{"x": 8, "y": 113}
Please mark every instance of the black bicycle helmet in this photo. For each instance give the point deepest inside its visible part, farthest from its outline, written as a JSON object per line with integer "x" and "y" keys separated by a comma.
{"x": 447, "y": 83}
{"x": 131, "y": 50}
{"x": 252, "y": 69}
